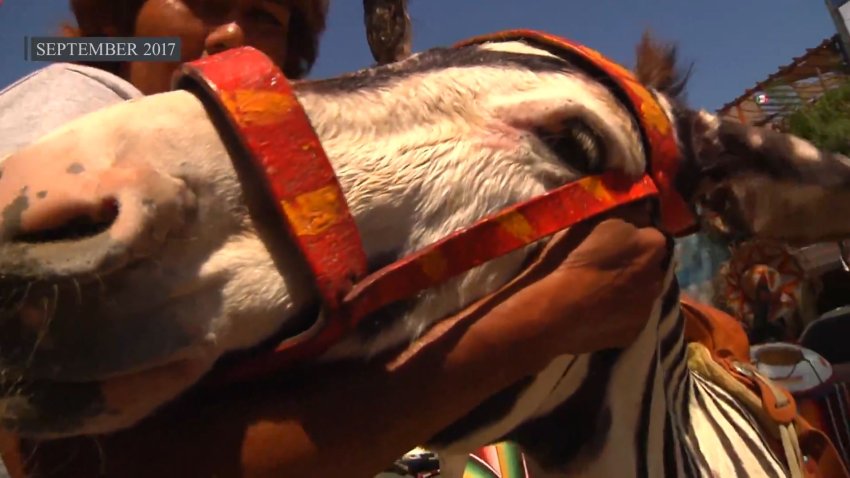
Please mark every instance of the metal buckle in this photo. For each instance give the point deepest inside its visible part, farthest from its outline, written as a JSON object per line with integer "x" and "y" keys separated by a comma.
{"x": 743, "y": 369}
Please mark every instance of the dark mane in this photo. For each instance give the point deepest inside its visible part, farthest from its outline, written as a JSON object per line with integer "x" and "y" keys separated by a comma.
{"x": 436, "y": 59}
{"x": 657, "y": 67}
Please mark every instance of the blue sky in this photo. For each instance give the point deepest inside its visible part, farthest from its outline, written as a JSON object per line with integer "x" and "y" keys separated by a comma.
{"x": 734, "y": 43}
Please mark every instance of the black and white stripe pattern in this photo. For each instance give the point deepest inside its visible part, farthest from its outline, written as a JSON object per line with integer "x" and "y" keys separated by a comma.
{"x": 639, "y": 412}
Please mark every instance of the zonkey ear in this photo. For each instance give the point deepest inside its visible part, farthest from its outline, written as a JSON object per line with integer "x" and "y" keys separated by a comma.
{"x": 656, "y": 66}
{"x": 758, "y": 182}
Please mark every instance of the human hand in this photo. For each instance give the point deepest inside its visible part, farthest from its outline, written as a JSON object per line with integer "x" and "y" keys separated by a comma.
{"x": 591, "y": 287}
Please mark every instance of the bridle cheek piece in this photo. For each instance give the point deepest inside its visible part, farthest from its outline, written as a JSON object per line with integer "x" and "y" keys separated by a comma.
{"x": 251, "y": 94}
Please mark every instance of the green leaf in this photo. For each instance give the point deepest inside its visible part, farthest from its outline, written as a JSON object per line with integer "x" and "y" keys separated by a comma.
{"x": 826, "y": 123}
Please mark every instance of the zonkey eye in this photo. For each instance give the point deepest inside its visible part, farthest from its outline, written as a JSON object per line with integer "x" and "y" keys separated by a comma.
{"x": 577, "y": 145}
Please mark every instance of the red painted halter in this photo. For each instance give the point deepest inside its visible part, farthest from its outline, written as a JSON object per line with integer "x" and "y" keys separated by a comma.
{"x": 276, "y": 135}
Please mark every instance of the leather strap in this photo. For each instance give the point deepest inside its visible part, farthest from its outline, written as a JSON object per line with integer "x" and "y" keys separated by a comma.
{"x": 807, "y": 451}
{"x": 820, "y": 457}
{"x": 495, "y": 236}
{"x": 813, "y": 450}
{"x": 276, "y": 136}
{"x": 491, "y": 237}
{"x": 658, "y": 133}
{"x": 777, "y": 402}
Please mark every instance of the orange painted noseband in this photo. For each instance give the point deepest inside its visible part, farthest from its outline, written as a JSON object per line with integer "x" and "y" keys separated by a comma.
{"x": 275, "y": 135}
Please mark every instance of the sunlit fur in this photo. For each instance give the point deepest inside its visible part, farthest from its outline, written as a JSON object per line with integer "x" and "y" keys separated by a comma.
{"x": 422, "y": 151}
{"x": 416, "y": 171}
{"x": 418, "y": 157}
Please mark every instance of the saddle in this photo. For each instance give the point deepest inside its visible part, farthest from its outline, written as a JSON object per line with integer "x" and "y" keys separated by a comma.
{"x": 718, "y": 350}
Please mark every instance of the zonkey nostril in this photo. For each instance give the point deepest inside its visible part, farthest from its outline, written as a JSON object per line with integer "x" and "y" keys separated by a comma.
{"x": 71, "y": 224}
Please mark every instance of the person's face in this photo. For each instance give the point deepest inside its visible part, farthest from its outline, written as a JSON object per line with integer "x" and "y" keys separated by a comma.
{"x": 207, "y": 27}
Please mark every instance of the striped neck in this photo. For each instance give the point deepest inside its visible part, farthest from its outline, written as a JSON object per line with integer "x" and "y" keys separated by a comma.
{"x": 667, "y": 421}
{"x": 705, "y": 431}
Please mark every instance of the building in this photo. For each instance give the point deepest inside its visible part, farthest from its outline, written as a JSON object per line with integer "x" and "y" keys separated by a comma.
{"x": 805, "y": 79}
{"x": 839, "y": 10}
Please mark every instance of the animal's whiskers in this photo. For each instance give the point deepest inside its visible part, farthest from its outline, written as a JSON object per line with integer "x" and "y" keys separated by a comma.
{"x": 67, "y": 461}
{"x": 102, "y": 284}
{"x": 101, "y": 454}
{"x": 44, "y": 329}
{"x": 10, "y": 307}
{"x": 20, "y": 305}
{"x": 78, "y": 290}
{"x": 30, "y": 456}
{"x": 4, "y": 307}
